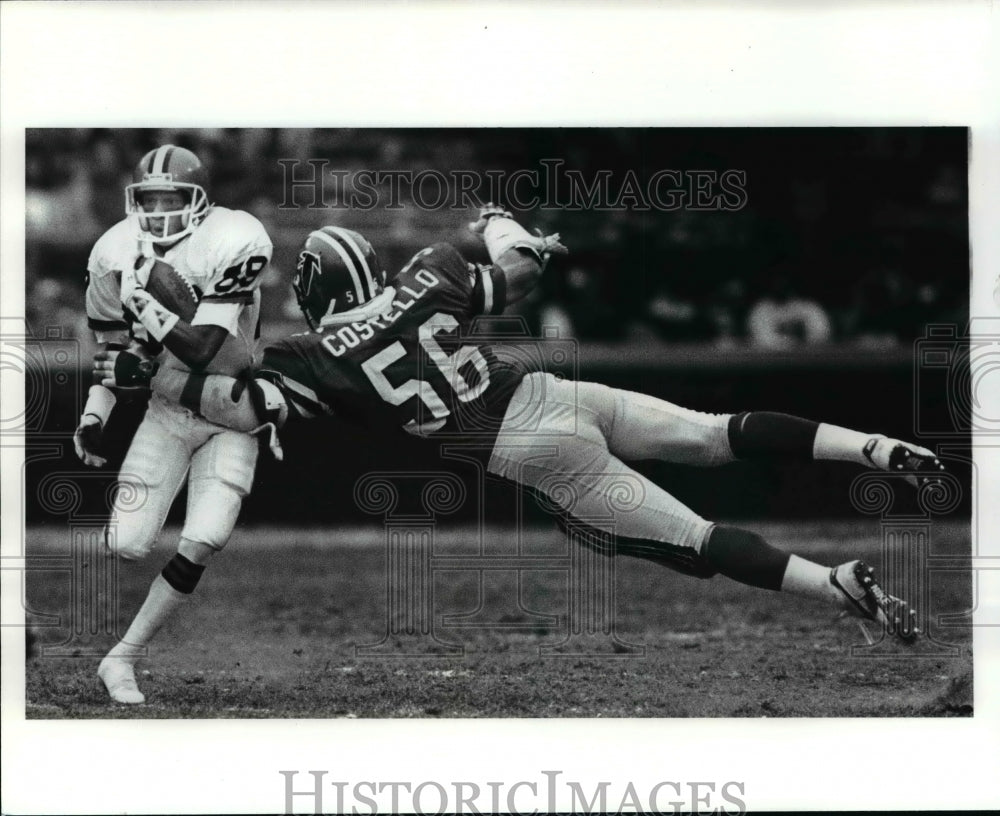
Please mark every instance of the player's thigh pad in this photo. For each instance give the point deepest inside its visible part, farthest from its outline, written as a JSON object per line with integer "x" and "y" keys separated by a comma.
{"x": 221, "y": 475}
{"x": 562, "y": 454}
{"x": 150, "y": 477}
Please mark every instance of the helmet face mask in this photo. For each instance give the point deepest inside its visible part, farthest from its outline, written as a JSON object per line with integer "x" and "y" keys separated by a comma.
{"x": 166, "y": 223}
{"x": 168, "y": 169}
{"x": 337, "y": 271}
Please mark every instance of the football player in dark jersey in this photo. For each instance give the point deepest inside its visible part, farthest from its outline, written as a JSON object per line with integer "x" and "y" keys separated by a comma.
{"x": 399, "y": 353}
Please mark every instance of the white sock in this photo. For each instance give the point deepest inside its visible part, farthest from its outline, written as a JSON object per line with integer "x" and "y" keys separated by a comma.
{"x": 840, "y": 444}
{"x": 160, "y": 604}
{"x": 807, "y": 578}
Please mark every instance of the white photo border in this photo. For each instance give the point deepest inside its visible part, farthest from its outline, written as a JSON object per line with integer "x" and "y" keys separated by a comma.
{"x": 569, "y": 63}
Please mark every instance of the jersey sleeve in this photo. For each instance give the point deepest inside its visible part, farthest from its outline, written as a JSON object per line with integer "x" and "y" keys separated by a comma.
{"x": 238, "y": 251}
{"x": 489, "y": 289}
{"x": 461, "y": 286}
{"x": 289, "y": 370}
{"x": 105, "y": 315}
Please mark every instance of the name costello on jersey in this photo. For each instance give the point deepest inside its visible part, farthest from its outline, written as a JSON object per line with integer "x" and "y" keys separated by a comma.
{"x": 353, "y": 334}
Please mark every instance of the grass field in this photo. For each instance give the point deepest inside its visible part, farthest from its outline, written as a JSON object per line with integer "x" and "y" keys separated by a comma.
{"x": 274, "y": 627}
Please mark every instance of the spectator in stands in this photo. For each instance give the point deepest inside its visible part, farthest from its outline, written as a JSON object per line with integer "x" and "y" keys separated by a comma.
{"x": 783, "y": 319}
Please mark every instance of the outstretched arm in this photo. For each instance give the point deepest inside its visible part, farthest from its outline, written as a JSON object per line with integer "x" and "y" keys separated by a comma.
{"x": 237, "y": 403}
{"x": 520, "y": 256}
{"x": 219, "y": 398}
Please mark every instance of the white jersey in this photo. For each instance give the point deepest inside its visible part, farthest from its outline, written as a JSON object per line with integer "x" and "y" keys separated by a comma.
{"x": 223, "y": 260}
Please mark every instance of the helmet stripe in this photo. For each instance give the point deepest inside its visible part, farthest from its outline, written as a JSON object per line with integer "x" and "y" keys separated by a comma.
{"x": 348, "y": 239}
{"x": 166, "y": 159}
{"x": 348, "y": 263}
{"x": 160, "y": 159}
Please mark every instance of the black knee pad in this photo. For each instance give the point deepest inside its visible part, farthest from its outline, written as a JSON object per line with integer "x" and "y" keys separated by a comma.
{"x": 768, "y": 435}
{"x": 182, "y": 574}
{"x": 745, "y": 557}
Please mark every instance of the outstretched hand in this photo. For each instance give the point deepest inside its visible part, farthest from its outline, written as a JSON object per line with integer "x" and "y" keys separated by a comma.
{"x": 544, "y": 245}
{"x": 550, "y": 244}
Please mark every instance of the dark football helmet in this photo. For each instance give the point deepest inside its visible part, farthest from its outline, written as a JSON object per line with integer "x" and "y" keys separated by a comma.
{"x": 174, "y": 170}
{"x": 337, "y": 271}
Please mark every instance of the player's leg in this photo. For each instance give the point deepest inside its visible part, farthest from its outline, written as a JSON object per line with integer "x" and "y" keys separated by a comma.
{"x": 150, "y": 477}
{"x": 651, "y": 524}
{"x": 638, "y": 426}
{"x": 641, "y": 426}
{"x": 221, "y": 475}
{"x": 746, "y": 557}
{"x": 766, "y": 434}
{"x": 581, "y": 478}
{"x": 557, "y": 446}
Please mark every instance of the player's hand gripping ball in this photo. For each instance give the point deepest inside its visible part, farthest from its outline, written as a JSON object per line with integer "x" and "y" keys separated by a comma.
{"x": 165, "y": 284}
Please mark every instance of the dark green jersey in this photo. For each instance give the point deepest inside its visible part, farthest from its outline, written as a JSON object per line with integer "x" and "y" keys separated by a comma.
{"x": 417, "y": 366}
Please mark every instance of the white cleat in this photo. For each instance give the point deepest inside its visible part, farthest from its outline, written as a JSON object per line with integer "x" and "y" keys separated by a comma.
{"x": 118, "y": 677}
{"x": 864, "y": 598}
{"x": 918, "y": 466}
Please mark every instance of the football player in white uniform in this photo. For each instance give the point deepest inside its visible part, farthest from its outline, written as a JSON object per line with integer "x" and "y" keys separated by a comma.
{"x": 398, "y": 352}
{"x": 220, "y": 253}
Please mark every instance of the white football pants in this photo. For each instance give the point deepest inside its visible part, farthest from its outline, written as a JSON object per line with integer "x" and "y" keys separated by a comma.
{"x": 172, "y": 443}
{"x": 567, "y": 440}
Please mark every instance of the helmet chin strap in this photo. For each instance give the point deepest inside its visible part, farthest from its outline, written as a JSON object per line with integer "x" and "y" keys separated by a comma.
{"x": 373, "y": 308}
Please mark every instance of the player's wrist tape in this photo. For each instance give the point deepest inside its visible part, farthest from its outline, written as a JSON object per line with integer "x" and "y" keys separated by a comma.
{"x": 100, "y": 401}
{"x": 156, "y": 318}
{"x": 503, "y": 233}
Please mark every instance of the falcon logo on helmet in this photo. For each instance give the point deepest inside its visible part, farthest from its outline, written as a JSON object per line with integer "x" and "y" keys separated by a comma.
{"x": 168, "y": 169}
{"x": 337, "y": 271}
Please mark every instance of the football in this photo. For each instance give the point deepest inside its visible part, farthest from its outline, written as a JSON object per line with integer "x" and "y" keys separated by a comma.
{"x": 170, "y": 288}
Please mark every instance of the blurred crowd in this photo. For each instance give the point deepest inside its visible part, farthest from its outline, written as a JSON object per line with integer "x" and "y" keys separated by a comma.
{"x": 846, "y": 235}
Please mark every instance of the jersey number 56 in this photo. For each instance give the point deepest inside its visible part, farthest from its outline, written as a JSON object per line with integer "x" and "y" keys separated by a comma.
{"x": 448, "y": 364}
